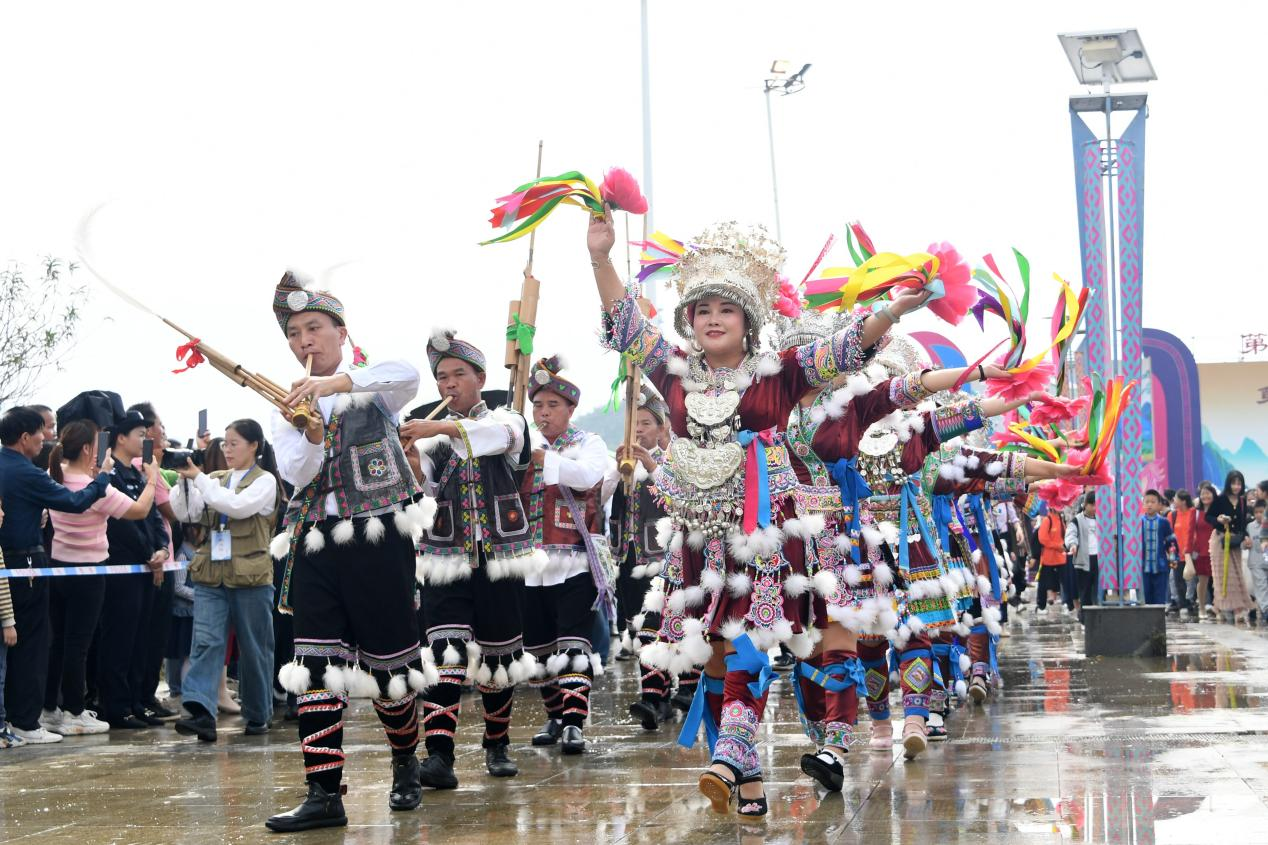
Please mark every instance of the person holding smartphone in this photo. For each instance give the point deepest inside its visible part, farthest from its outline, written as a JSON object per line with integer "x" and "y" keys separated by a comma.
{"x": 75, "y": 602}
{"x": 122, "y": 655}
{"x": 27, "y": 492}
{"x": 232, "y": 573}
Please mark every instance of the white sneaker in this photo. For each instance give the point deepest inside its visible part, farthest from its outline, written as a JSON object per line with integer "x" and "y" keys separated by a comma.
{"x": 51, "y": 720}
{"x": 39, "y": 736}
{"x": 85, "y": 723}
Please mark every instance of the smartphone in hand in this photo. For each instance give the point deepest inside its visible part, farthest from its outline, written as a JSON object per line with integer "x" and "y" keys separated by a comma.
{"x": 202, "y": 422}
{"x": 147, "y": 450}
{"x": 103, "y": 443}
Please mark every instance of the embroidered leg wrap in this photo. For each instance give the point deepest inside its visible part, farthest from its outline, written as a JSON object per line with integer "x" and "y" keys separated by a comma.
{"x": 841, "y": 706}
{"x": 553, "y": 700}
{"x": 915, "y": 672}
{"x": 497, "y": 715}
{"x": 938, "y": 698}
{"x": 574, "y": 689}
{"x": 441, "y": 706}
{"x": 745, "y": 688}
{"x": 979, "y": 651}
{"x": 655, "y": 684}
{"x": 321, "y": 736}
{"x": 400, "y": 722}
{"x": 737, "y": 728}
{"x": 810, "y": 696}
{"x": 687, "y": 682}
{"x": 872, "y": 655}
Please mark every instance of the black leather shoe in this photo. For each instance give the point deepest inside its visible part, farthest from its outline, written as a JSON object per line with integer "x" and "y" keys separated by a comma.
{"x": 663, "y": 711}
{"x": 320, "y": 809}
{"x": 159, "y": 711}
{"x": 682, "y": 700}
{"x": 549, "y": 734}
{"x": 624, "y": 655}
{"x": 291, "y": 714}
{"x": 407, "y": 787}
{"x": 201, "y": 726}
{"x": 437, "y": 772}
{"x": 253, "y": 729}
{"x": 572, "y": 741}
{"x": 126, "y": 723}
{"x": 647, "y": 713}
{"x": 499, "y": 762}
{"x": 150, "y": 720}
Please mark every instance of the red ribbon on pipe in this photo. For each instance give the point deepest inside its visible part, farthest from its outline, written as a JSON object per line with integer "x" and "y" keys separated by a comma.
{"x": 188, "y": 354}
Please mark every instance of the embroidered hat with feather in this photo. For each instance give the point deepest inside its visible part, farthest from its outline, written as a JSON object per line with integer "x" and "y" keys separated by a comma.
{"x": 295, "y": 295}
{"x": 545, "y": 376}
{"x": 443, "y": 344}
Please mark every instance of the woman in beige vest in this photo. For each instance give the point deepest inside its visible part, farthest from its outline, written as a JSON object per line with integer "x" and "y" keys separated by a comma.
{"x": 232, "y": 574}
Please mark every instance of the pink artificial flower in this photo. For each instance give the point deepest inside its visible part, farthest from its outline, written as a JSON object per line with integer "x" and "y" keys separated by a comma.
{"x": 1021, "y": 385}
{"x": 621, "y": 191}
{"x": 957, "y": 281}
{"x": 789, "y": 301}
{"x": 1050, "y": 410}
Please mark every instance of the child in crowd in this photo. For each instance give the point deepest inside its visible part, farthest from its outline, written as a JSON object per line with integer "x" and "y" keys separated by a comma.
{"x": 1160, "y": 550}
{"x": 1052, "y": 560}
{"x": 180, "y": 638}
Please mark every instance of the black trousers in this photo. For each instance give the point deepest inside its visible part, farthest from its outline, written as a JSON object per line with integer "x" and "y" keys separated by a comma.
{"x": 560, "y": 617}
{"x": 478, "y": 609}
{"x": 156, "y": 636}
{"x": 283, "y": 633}
{"x": 629, "y": 591}
{"x": 28, "y": 660}
{"x": 74, "y": 610}
{"x": 1050, "y": 578}
{"x": 1088, "y": 580}
{"x": 121, "y": 654}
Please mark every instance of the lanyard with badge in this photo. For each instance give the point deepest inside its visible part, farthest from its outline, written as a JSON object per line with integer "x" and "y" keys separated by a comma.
{"x": 221, "y": 544}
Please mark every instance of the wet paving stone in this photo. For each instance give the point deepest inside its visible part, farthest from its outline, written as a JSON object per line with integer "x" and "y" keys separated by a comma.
{"x": 1158, "y": 750}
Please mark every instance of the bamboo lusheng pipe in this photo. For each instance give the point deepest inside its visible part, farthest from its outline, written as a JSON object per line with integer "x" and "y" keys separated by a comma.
{"x": 304, "y": 410}
{"x": 525, "y": 309}
{"x": 267, "y": 388}
{"x": 444, "y": 403}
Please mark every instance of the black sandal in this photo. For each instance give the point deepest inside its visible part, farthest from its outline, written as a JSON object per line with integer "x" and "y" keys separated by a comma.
{"x": 751, "y": 808}
{"x": 719, "y": 789}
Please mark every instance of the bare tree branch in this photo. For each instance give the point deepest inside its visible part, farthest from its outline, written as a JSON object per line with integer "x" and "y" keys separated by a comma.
{"x": 38, "y": 321}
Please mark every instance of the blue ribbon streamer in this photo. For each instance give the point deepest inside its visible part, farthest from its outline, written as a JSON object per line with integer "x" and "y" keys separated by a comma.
{"x": 943, "y": 513}
{"x": 748, "y": 659}
{"x": 699, "y": 714}
{"x": 979, "y": 515}
{"x": 910, "y": 498}
{"x": 852, "y": 669}
{"x": 853, "y": 487}
{"x": 751, "y": 440}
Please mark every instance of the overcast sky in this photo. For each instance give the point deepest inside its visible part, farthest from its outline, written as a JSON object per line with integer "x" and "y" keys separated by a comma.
{"x": 234, "y": 140}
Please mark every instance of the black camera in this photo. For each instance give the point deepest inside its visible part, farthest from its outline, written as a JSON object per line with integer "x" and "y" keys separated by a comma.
{"x": 175, "y": 459}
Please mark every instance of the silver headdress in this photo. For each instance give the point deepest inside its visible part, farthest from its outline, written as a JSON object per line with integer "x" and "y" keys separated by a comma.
{"x": 738, "y": 263}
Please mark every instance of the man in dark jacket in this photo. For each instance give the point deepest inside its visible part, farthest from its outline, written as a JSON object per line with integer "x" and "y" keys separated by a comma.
{"x": 27, "y": 492}
{"x": 129, "y": 602}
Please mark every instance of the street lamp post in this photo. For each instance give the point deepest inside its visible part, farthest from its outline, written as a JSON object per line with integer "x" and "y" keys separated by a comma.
{"x": 776, "y": 83}
{"x": 1110, "y": 57}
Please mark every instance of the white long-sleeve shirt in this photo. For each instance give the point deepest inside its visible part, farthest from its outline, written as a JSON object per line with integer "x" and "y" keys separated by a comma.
{"x": 494, "y": 433}
{"x": 299, "y": 460}
{"x": 581, "y": 468}
{"x": 190, "y": 500}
